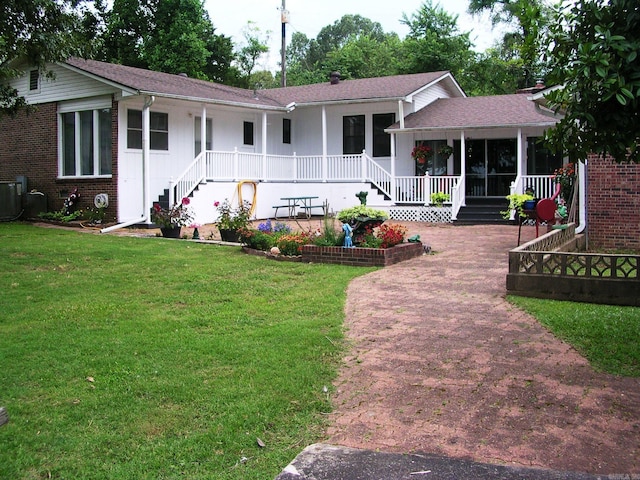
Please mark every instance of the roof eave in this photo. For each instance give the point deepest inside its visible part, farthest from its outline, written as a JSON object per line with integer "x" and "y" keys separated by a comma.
{"x": 468, "y": 127}
{"x": 211, "y": 101}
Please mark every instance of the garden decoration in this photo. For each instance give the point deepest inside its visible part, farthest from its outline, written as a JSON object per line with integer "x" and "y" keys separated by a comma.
{"x": 362, "y": 196}
{"x": 348, "y": 234}
{"x": 71, "y": 201}
{"x": 360, "y": 217}
{"x": 196, "y": 233}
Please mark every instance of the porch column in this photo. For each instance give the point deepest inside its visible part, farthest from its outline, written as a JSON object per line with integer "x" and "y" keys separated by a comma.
{"x": 264, "y": 146}
{"x": 324, "y": 144}
{"x": 520, "y": 158}
{"x": 203, "y": 140}
{"x": 146, "y": 174}
{"x": 401, "y": 114}
{"x": 392, "y": 183}
{"x": 463, "y": 168}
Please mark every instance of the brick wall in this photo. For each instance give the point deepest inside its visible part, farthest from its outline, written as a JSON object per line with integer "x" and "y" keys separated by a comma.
{"x": 613, "y": 204}
{"x": 362, "y": 257}
{"x": 29, "y": 146}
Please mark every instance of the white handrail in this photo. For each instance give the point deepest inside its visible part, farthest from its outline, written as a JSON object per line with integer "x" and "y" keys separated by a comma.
{"x": 188, "y": 180}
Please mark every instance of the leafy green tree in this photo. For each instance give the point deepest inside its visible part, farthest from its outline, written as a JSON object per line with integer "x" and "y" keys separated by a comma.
{"x": 247, "y": 57}
{"x": 529, "y": 20}
{"x": 127, "y": 25}
{"x": 434, "y": 41}
{"x": 173, "y": 36}
{"x": 594, "y": 54}
{"x": 490, "y": 74}
{"x": 364, "y": 57}
{"x": 39, "y": 31}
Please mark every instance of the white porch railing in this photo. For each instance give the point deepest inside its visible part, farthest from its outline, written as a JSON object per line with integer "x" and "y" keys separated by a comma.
{"x": 543, "y": 185}
{"x": 189, "y": 180}
{"x": 235, "y": 166}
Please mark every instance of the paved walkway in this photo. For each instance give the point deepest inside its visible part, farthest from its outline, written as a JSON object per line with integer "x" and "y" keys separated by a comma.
{"x": 440, "y": 363}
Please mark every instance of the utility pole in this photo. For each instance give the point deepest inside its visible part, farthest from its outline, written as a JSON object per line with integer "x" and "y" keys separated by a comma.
{"x": 284, "y": 17}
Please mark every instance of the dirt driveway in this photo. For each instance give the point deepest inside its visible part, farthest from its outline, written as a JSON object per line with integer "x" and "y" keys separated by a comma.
{"x": 441, "y": 363}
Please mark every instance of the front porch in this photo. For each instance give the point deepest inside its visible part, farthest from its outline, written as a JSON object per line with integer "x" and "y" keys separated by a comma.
{"x": 336, "y": 179}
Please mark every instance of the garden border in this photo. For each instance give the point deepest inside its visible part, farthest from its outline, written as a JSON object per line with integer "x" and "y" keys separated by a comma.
{"x": 548, "y": 267}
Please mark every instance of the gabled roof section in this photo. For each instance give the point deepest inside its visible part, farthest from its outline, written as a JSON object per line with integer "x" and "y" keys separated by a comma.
{"x": 477, "y": 112}
{"x": 366, "y": 89}
{"x": 168, "y": 85}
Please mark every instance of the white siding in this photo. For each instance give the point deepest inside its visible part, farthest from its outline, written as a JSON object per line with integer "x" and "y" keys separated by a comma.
{"x": 430, "y": 95}
{"x": 66, "y": 85}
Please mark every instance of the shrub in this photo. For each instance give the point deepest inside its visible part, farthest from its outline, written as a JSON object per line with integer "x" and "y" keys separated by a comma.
{"x": 292, "y": 243}
{"x": 391, "y": 234}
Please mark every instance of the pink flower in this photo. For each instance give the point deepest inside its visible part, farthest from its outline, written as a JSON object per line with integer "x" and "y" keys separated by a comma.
{"x": 216, "y": 204}
{"x": 157, "y": 207}
{"x": 186, "y": 201}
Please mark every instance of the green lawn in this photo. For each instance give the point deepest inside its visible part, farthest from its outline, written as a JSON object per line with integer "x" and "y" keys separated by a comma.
{"x": 608, "y": 336}
{"x": 144, "y": 358}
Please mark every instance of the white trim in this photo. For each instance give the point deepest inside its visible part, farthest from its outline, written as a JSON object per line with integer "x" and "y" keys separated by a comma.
{"x": 95, "y": 103}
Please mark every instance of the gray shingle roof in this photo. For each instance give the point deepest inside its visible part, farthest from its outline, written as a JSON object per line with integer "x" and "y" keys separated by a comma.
{"x": 147, "y": 81}
{"x": 477, "y": 112}
{"x": 378, "y": 88}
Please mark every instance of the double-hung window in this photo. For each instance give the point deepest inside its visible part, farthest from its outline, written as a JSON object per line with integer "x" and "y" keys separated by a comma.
{"x": 85, "y": 140}
{"x": 381, "y": 139}
{"x": 158, "y": 130}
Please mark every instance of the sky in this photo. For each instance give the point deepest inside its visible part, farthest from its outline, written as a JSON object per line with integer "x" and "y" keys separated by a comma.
{"x": 310, "y": 16}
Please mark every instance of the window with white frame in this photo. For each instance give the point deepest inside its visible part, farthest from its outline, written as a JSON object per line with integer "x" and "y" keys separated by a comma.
{"x": 158, "y": 130}
{"x": 85, "y": 142}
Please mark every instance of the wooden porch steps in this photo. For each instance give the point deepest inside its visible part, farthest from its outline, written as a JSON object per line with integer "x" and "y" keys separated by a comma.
{"x": 482, "y": 211}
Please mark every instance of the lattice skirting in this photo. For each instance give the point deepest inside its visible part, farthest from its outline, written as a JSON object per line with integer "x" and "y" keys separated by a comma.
{"x": 421, "y": 214}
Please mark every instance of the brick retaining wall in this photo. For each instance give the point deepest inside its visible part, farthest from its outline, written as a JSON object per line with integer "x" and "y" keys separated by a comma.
{"x": 362, "y": 257}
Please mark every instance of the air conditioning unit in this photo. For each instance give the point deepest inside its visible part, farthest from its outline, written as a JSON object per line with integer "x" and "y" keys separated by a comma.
{"x": 10, "y": 200}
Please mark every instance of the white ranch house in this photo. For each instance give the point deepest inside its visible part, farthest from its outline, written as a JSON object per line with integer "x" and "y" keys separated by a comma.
{"x": 143, "y": 131}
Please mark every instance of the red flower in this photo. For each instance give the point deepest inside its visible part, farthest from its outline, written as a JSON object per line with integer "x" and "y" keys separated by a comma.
{"x": 216, "y": 204}
{"x": 186, "y": 201}
{"x": 157, "y": 207}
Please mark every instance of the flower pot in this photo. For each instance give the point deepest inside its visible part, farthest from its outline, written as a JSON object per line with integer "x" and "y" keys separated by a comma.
{"x": 171, "y": 232}
{"x": 229, "y": 235}
{"x": 529, "y": 205}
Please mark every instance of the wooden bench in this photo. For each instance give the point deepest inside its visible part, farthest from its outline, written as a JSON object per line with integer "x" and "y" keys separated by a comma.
{"x": 290, "y": 209}
{"x": 308, "y": 209}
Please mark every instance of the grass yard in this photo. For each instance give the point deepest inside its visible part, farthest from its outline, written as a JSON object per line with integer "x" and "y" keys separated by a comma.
{"x": 143, "y": 358}
{"x": 608, "y": 336}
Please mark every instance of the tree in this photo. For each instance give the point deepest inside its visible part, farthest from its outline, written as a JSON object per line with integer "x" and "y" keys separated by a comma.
{"x": 364, "y": 57}
{"x": 38, "y": 32}
{"x": 594, "y": 54}
{"x": 529, "y": 20}
{"x": 434, "y": 41}
{"x": 255, "y": 45}
{"x": 173, "y": 36}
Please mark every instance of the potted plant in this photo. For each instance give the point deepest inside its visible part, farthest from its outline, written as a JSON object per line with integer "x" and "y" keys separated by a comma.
{"x": 231, "y": 220}
{"x": 445, "y": 151}
{"x": 360, "y": 217}
{"x": 517, "y": 204}
{"x": 438, "y": 198}
{"x": 173, "y": 219}
{"x": 421, "y": 155}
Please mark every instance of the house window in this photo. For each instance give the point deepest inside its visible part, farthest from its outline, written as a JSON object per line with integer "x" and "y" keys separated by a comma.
{"x": 352, "y": 134}
{"x": 248, "y": 133}
{"x": 286, "y": 130}
{"x": 382, "y": 140}
{"x": 540, "y": 160}
{"x": 85, "y": 143}
{"x": 158, "y": 130}
{"x": 34, "y": 80}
